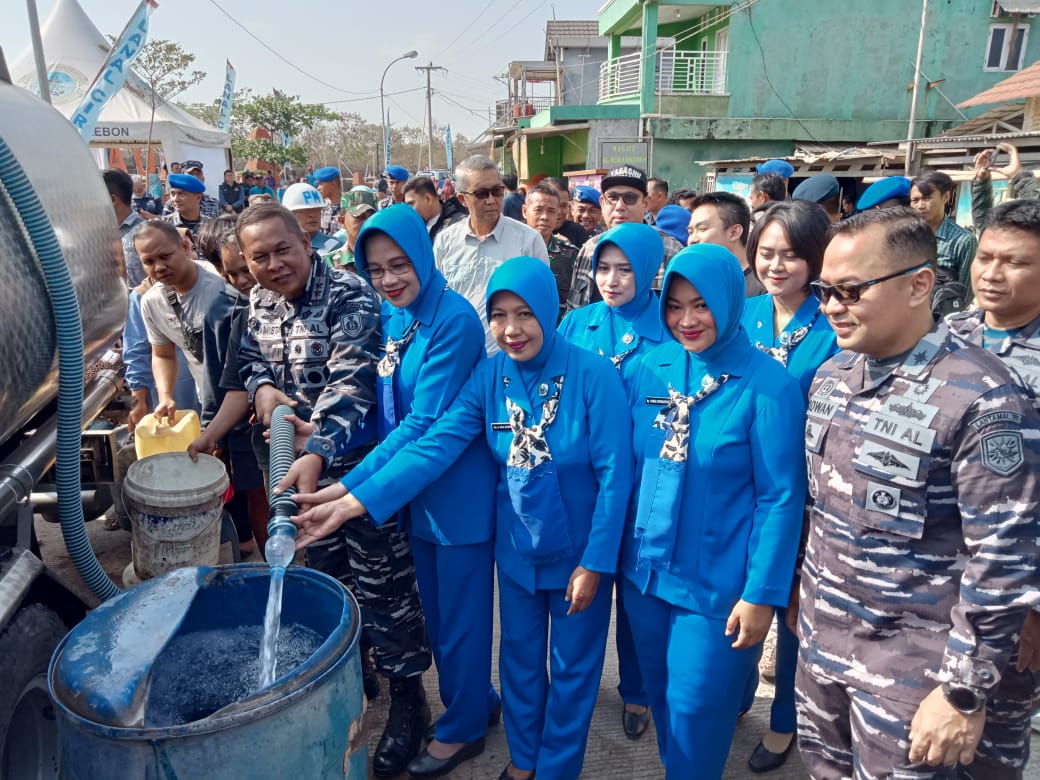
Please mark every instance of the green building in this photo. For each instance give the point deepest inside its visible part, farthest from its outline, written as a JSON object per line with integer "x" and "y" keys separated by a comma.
{"x": 756, "y": 79}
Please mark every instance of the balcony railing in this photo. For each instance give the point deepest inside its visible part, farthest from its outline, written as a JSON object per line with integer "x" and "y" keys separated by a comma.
{"x": 678, "y": 73}
{"x": 507, "y": 112}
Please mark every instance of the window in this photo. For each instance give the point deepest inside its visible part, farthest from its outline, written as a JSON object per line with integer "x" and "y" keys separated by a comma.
{"x": 999, "y": 54}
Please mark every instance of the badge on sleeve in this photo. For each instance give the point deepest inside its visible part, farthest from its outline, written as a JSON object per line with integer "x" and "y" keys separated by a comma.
{"x": 351, "y": 324}
{"x": 1002, "y": 452}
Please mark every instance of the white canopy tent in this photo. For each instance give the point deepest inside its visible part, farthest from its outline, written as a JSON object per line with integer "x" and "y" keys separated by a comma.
{"x": 75, "y": 50}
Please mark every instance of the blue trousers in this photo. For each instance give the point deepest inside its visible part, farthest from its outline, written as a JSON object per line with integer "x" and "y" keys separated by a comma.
{"x": 694, "y": 680}
{"x": 783, "y": 716}
{"x": 547, "y": 723}
{"x": 630, "y": 682}
{"x": 456, "y": 587}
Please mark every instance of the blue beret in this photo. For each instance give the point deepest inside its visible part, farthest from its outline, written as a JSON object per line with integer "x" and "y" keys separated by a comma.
{"x": 328, "y": 173}
{"x": 675, "y": 221}
{"x": 882, "y": 190}
{"x": 816, "y": 188}
{"x": 397, "y": 172}
{"x": 186, "y": 182}
{"x": 586, "y": 194}
{"x": 782, "y": 168}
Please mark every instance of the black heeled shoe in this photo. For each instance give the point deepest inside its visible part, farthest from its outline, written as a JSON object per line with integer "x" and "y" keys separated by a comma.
{"x": 505, "y": 773}
{"x": 635, "y": 724}
{"x": 764, "y": 760}
{"x": 426, "y": 766}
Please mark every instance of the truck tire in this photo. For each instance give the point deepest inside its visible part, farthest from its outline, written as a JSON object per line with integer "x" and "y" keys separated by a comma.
{"x": 28, "y": 726}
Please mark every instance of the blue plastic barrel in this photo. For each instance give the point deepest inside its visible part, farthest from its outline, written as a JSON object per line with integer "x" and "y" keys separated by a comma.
{"x": 159, "y": 682}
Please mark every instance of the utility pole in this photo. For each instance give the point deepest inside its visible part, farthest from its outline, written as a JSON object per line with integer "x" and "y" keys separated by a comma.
{"x": 429, "y": 68}
{"x": 917, "y": 81}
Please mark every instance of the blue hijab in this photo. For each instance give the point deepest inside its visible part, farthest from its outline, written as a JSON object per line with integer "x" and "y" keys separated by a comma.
{"x": 717, "y": 275}
{"x": 403, "y": 225}
{"x": 533, "y": 281}
{"x": 643, "y": 247}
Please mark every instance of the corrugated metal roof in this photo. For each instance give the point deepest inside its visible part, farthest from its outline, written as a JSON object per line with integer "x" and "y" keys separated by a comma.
{"x": 1002, "y": 119}
{"x": 1024, "y": 84}
{"x": 1021, "y": 6}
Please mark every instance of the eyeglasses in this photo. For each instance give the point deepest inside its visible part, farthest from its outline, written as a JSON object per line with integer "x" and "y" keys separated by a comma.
{"x": 397, "y": 269}
{"x": 850, "y": 293}
{"x": 484, "y": 193}
{"x": 630, "y": 198}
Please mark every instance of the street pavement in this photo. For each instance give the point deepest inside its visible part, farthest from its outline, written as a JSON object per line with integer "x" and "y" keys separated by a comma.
{"x": 609, "y": 755}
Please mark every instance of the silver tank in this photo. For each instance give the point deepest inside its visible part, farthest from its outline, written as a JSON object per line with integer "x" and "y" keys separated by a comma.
{"x": 69, "y": 185}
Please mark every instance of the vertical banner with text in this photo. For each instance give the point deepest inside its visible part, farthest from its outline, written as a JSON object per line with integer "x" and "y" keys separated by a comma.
{"x": 113, "y": 73}
{"x": 224, "y": 121}
{"x": 447, "y": 149}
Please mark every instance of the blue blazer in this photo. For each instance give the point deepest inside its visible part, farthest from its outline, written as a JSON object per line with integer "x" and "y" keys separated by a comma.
{"x": 458, "y": 508}
{"x": 590, "y": 446}
{"x": 814, "y": 350}
{"x": 590, "y": 328}
{"x": 744, "y": 484}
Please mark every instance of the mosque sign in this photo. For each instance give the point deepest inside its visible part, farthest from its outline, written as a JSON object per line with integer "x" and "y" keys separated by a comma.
{"x": 614, "y": 154}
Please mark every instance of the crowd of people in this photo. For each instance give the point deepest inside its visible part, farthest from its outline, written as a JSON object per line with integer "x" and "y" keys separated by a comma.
{"x": 705, "y": 415}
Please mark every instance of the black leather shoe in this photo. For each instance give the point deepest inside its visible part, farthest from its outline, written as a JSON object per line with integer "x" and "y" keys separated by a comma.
{"x": 764, "y": 760}
{"x": 424, "y": 765}
{"x": 635, "y": 723}
{"x": 505, "y": 773}
{"x": 402, "y": 738}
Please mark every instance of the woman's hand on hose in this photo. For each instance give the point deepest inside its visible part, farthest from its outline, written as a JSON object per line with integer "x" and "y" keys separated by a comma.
{"x": 323, "y": 518}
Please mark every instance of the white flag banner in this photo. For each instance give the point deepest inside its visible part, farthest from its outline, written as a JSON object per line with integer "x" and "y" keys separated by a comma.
{"x": 224, "y": 121}
{"x": 113, "y": 73}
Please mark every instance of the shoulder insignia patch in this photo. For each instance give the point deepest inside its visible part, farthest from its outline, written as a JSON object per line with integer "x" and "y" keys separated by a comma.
{"x": 351, "y": 324}
{"x": 1002, "y": 452}
{"x": 1015, "y": 418}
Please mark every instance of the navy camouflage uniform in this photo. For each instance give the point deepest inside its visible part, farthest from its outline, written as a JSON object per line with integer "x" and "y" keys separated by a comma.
{"x": 562, "y": 254}
{"x": 583, "y": 289}
{"x": 922, "y": 557}
{"x": 321, "y": 350}
{"x": 330, "y": 217}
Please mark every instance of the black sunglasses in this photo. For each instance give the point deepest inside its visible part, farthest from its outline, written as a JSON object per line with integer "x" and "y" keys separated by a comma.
{"x": 484, "y": 193}
{"x": 850, "y": 293}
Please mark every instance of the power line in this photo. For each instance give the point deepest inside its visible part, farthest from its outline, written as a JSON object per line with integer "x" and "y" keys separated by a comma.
{"x": 292, "y": 65}
{"x": 466, "y": 28}
{"x": 370, "y": 97}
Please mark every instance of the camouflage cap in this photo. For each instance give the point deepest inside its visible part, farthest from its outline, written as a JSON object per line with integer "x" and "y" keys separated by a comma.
{"x": 358, "y": 201}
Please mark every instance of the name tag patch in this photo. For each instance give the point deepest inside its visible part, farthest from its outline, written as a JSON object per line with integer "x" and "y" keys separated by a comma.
{"x": 882, "y": 498}
{"x": 658, "y": 400}
{"x": 822, "y": 408}
{"x": 901, "y": 432}
{"x": 500, "y": 426}
{"x": 1014, "y": 418}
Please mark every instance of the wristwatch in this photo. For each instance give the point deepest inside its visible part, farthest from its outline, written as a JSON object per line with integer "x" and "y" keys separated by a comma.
{"x": 964, "y": 699}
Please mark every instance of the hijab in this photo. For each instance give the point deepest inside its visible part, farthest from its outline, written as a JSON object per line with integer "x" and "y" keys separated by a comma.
{"x": 717, "y": 275}
{"x": 643, "y": 247}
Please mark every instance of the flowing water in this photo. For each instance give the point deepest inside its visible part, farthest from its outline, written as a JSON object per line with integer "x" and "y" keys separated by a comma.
{"x": 272, "y": 623}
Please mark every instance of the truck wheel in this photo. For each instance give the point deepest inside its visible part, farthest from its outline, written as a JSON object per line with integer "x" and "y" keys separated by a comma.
{"x": 28, "y": 726}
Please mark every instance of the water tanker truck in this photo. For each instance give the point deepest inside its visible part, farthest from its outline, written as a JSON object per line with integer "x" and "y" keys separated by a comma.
{"x": 63, "y": 302}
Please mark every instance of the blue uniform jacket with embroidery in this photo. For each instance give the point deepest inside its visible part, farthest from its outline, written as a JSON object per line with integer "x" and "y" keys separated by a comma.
{"x": 809, "y": 354}
{"x": 457, "y": 508}
{"x": 722, "y": 522}
{"x": 591, "y": 448}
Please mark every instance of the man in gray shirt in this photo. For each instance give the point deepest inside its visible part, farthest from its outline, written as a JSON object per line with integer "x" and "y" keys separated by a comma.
{"x": 469, "y": 251}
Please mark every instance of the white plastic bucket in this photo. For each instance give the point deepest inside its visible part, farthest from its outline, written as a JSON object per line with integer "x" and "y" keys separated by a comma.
{"x": 175, "y": 507}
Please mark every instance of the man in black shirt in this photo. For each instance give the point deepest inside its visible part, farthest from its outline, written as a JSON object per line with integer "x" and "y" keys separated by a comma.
{"x": 231, "y": 196}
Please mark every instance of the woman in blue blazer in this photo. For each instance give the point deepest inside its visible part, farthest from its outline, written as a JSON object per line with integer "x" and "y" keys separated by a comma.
{"x": 564, "y": 477}
{"x": 622, "y": 327}
{"x": 713, "y": 528}
{"x": 786, "y": 252}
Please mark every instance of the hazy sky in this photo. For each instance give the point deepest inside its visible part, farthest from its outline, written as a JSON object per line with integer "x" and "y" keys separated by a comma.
{"x": 344, "y": 43}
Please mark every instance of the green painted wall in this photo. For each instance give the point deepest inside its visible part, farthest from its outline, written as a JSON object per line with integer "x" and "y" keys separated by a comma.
{"x": 675, "y": 161}
{"x": 862, "y": 57}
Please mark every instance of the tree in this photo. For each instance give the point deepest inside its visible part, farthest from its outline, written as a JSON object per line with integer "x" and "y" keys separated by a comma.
{"x": 164, "y": 67}
{"x": 285, "y": 117}
{"x": 210, "y": 112}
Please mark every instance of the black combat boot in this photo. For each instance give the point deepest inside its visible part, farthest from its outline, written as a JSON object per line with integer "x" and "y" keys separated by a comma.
{"x": 402, "y": 737}
{"x": 369, "y": 678}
